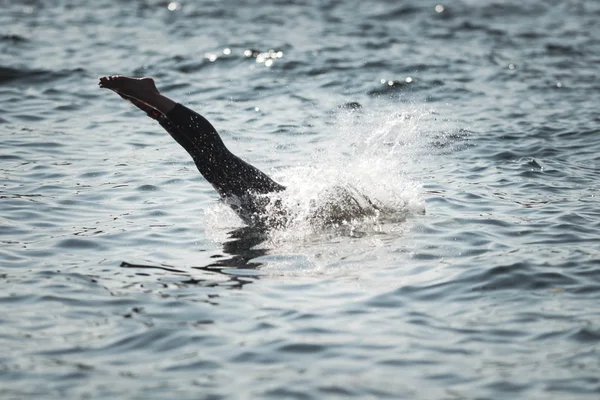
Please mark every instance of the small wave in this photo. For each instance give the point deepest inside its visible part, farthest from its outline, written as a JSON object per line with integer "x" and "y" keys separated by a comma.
{"x": 390, "y": 87}
{"x": 13, "y": 39}
{"x": 555, "y": 49}
{"x": 471, "y": 27}
{"x": 495, "y": 10}
{"x": 394, "y": 14}
{"x": 8, "y": 74}
{"x": 393, "y": 87}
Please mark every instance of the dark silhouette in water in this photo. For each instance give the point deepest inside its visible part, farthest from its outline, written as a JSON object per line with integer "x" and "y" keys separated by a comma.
{"x": 240, "y": 185}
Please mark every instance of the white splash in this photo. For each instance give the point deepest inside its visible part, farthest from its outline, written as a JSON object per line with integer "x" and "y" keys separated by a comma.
{"x": 357, "y": 181}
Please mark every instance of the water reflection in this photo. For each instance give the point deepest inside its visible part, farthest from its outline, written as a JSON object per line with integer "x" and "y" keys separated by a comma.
{"x": 236, "y": 262}
{"x": 241, "y": 249}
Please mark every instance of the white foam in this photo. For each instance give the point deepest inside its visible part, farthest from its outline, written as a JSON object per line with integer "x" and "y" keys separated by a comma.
{"x": 368, "y": 157}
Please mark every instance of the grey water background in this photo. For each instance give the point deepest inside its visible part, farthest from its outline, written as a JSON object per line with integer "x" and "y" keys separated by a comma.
{"x": 478, "y": 121}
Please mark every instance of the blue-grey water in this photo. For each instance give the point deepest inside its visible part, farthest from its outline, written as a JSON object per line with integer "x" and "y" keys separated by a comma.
{"x": 475, "y": 122}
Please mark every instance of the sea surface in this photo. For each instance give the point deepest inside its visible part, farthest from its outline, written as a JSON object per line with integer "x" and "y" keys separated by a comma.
{"x": 475, "y": 124}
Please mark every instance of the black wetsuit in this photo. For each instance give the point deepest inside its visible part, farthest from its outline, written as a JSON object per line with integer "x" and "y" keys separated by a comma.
{"x": 238, "y": 183}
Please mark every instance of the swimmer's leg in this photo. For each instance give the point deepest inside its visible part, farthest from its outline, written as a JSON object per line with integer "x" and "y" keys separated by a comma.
{"x": 134, "y": 89}
{"x": 142, "y": 92}
{"x": 181, "y": 122}
{"x": 225, "y": 171}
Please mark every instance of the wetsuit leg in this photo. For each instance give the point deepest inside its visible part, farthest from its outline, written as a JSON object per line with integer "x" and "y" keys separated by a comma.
{"x": 229, "y": 174}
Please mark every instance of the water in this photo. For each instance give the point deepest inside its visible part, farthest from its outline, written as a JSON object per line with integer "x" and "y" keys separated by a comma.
{"x": 477, "y": 126}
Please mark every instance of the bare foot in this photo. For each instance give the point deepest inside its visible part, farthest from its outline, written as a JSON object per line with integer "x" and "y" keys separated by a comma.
{"x": 142, "y": 89}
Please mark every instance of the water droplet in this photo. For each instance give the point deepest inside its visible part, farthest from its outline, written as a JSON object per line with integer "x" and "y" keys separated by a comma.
{"x": 382, "y": 81}
{"x": 268, "y": 63}
{"x": 439, "y": 8}
{"x": 227, "y": 51}
{"x": 408, "y": 79}
{"x": 511, "y": 66}
{"x": 558, "y": 84}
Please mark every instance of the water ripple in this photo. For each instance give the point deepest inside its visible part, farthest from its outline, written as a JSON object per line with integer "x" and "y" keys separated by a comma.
{"x": 124, "y": 277}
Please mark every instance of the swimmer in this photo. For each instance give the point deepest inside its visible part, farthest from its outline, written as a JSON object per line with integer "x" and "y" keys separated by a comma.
{"x": 239, "y": 184}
